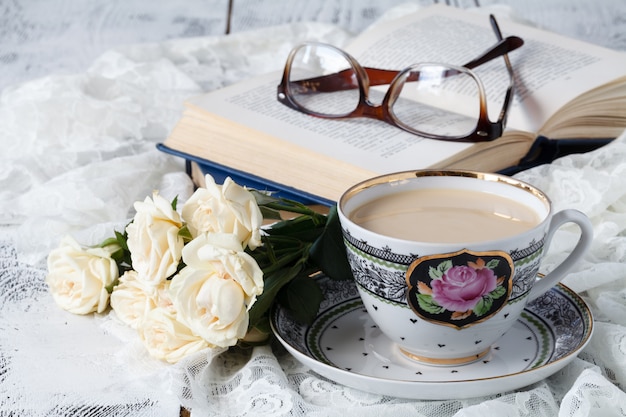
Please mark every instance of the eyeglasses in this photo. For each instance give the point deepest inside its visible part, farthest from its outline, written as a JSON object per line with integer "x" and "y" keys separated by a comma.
{"x": 324, "y": 81}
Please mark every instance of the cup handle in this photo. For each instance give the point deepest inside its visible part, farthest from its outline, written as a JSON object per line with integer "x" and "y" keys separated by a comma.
{"x": 586, "y": 236}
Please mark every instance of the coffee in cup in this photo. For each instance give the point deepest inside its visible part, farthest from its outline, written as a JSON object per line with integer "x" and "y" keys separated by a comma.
{"x": 466, "y": 216}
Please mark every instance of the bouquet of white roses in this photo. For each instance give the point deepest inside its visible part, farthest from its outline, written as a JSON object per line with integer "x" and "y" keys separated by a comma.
{"x": 206, "y": 275}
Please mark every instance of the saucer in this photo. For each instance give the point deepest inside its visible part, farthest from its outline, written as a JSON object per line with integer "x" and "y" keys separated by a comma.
{"x": 344, "y": 345}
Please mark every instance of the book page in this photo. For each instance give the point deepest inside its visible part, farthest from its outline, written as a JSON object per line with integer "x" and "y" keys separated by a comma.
{"x": 545, "y": 66}
{"x": 365, "y": 143}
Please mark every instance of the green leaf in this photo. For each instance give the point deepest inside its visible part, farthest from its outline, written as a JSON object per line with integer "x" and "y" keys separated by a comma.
{"x": 492, "y": 263}
{"x": 262, "y": 198}
{"x": 122, "y": 255}
{"x": 273, "y": 283}
{"x": 442, "y": 268}
{"x": 483, "y": 305}
{"x": 302, "y": 297}
{"x": 498, "y": 292}
{"x": 267, "y": 202}
{"x": 121, "y": 239}
{"x": 434, "y": 273}
{"x": 112, "y": 286}
{"x": 291, "y": 206}
{"x": 329, "y": 251}
{"x": 279, "y": 253}
{"x": 118, "y": 255}
{"x": 185, "y": 233}
{"x": 108, "y": 242}
{"x": 174, "y": 203}
{"x": 304, "y": 227}
{"x": 264, "y": 326}
{"x": 428, "y": 304}
{"x": 270, "y": 214}
{"x": 445, "y": 265}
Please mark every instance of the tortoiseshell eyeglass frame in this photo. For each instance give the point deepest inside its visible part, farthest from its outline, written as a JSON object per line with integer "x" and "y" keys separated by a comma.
{"x": 485, "y": 129}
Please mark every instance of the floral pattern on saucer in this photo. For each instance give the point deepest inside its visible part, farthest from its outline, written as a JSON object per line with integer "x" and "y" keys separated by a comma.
{"x": 344, "y": 345}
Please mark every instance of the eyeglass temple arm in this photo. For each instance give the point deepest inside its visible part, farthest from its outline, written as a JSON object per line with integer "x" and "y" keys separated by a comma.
{"x": 508, "y": 97}
{"x": 504, "y": 46}
{"x": 501, "y": 48}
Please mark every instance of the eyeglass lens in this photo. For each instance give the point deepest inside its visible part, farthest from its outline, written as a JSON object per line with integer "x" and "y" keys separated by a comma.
{"x": 423, "y": 105}
{"x": 313, "y": 61}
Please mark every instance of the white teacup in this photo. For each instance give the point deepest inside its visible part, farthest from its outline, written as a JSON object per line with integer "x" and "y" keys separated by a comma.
{"x": 445, "y": 261}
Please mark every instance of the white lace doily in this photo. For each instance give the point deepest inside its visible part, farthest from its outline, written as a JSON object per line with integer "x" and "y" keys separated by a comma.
{"x": 79, "y": 150}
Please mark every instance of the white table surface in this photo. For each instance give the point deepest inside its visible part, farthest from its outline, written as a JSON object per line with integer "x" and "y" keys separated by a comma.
{"x": 51, "y": 63}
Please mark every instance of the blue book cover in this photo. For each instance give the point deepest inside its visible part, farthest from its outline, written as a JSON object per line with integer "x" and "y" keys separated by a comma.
{"x": 221, "y": 172}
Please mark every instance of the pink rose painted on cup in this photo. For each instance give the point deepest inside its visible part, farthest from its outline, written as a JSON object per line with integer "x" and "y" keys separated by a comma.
{"x": 461, "y": 288}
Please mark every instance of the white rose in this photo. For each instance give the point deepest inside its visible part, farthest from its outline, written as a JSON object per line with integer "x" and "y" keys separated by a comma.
{"x": 166, "y": 338}
{"x": 223, "y": 255}
{"x": 153, "y": 240}
{"x": 78, "y": 278}
{"x": 132, "y": 300}
{"x": 229, "y": 208}
{"x": 213, "y": 307}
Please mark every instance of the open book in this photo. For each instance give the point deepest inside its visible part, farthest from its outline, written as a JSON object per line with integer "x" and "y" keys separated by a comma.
{"x": 565, "y": 89}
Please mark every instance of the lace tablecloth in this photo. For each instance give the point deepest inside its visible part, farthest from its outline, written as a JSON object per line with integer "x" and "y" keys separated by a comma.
{"x": 79, "y": 150}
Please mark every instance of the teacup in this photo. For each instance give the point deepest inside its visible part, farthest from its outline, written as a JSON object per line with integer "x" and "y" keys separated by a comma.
{"x": 446, "y": 261}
